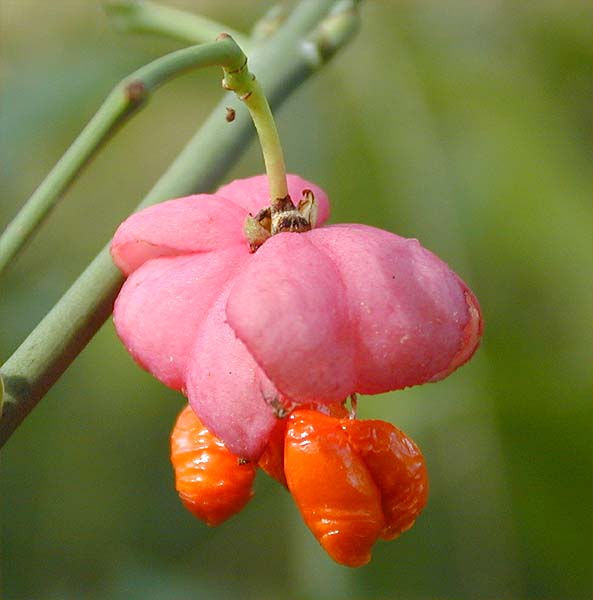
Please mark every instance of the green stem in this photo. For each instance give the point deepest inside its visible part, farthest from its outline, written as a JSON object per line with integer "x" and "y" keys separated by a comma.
{"x": 245, "y": 85}
{"x": 149, "y": 17}
{"x": 268, "y": 25}
{"x": 282, "y": 64}
{"x": 336, "y": 30}
{"x": 122, "y": 102}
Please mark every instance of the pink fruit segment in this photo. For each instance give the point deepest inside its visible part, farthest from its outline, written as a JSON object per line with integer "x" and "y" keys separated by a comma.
{"x": 227, "y": 389}
{"x": 162, "y": 305}
{"x": 350, "y": 308}
{"x": 314, "y": 316}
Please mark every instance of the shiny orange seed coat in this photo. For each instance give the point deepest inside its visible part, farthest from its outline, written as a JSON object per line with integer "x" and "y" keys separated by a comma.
{"x": 272, "y": 458}
{"x": 211, "y": 481}
{"x": 353, "y": 481}
{"x": 397, "y": 467}
{"x": 333, "y": 489}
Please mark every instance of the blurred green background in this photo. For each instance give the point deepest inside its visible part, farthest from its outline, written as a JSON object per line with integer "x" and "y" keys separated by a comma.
{"x": 465, "y": 124}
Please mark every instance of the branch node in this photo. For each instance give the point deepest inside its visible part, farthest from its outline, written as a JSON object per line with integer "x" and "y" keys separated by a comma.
{"x": 135, "y": 91}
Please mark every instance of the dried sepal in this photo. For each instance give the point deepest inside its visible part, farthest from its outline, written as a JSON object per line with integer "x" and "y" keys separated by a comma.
{"x": 257, "y": 229}
{"x": 307, "y": 207}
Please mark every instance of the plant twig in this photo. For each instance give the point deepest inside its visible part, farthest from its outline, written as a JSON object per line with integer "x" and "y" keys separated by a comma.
{"x": 123, "y": 101}
{"x": 268, "y": 25}
{"x": 282, "y": 64}
{"x": 245, "y": 85}
{"x": 143, "y": 16}
{"x": 341, "y": 24}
